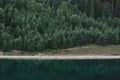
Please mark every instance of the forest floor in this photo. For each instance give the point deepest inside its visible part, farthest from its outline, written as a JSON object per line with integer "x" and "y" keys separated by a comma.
{"x": 90, "y": 50}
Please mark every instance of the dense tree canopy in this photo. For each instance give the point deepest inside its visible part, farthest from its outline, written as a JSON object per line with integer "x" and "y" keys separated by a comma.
{"x": 36, "y": 25}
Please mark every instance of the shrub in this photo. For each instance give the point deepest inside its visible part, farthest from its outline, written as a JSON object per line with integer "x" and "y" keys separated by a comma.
{"x": 88, "y": 22}
{"x": 75, "y": 20}
{"x": 38, "y": 7}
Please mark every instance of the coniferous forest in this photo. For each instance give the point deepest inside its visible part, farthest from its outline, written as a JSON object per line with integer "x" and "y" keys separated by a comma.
{"x": 36, "y": 25}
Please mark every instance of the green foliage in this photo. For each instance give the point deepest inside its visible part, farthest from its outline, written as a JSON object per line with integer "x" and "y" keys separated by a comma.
{"x": 38, "y": 7}
{"x": 20, "y": 4}
{"x": 75, "y": 20}
{"x": 36, "y": 25}
{"x": 106, "y": 10}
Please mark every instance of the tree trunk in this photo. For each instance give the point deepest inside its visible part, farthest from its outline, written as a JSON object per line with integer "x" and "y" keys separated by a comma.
{"x": 91, "y": 8}
{"x": 117, "y": 8}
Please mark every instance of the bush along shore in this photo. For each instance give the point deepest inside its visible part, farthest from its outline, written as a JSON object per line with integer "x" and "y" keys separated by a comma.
{"x": 36, "y": 25}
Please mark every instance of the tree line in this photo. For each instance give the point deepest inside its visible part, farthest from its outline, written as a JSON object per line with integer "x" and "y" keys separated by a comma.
{"x": 98, "y": 8}
{"x": 36, "y": 25}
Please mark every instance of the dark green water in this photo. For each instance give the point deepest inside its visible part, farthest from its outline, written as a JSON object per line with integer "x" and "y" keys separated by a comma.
{"x": 60, "y": 70}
